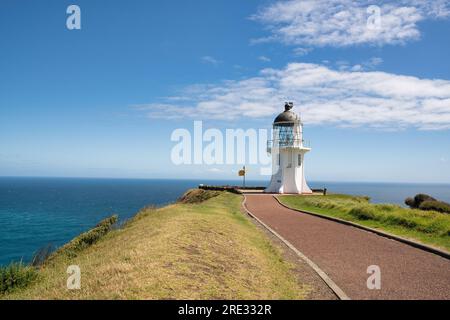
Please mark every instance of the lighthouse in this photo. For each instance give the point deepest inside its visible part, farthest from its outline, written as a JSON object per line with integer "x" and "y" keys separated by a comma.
{"x": 288, "y": 150}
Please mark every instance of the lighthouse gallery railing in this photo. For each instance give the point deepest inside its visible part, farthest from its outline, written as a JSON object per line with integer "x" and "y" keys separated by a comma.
{"x": 287, "y": 143}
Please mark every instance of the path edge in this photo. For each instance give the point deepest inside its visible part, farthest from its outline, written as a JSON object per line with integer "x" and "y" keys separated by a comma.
{"x": 391, "y": 236}
{"x": 330, "y": 283}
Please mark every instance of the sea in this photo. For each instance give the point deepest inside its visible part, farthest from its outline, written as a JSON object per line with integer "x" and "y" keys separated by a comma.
{"x": 38, "y": 212}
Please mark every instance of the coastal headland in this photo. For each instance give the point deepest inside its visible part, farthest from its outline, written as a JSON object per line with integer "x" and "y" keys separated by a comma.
{"x": 206, "y": 246}
{"x": 202, "y": 247}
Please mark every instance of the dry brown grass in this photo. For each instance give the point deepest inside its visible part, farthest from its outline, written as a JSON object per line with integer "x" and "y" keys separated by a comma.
{"x": 183, "y": 251}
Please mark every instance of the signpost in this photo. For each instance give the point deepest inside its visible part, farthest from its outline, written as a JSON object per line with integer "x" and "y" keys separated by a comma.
{"x": 242, "y": 174}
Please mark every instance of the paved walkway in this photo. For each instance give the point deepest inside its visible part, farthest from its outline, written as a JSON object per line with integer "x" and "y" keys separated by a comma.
{"x": 345, "y": 252}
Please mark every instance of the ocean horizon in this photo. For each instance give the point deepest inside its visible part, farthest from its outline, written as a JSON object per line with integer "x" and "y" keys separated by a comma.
{"x": 36, "y": 211}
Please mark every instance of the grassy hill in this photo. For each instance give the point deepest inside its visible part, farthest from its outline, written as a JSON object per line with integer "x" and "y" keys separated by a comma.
{"x": 188, "y": 250}
{"x": 429, "y": 227}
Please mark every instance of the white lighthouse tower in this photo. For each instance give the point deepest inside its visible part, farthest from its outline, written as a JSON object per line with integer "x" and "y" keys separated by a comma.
{"x": 288, "y": 153}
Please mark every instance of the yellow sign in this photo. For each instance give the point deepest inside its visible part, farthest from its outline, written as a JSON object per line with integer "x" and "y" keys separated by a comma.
{"x": 241, "y": 173}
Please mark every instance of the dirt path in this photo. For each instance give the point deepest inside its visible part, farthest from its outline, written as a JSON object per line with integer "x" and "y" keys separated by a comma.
{"x": 345, "y": 252}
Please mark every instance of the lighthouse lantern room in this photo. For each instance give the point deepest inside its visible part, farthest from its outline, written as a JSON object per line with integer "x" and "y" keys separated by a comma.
{"x": 288, "y": 152}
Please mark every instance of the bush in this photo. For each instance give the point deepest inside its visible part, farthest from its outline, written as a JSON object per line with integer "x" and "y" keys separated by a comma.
{"x": 409, "y": 222}
{"x": 41, "y": 255}
{"x": 418, "y": 199}
{"x": 364, "y": 212}
{"x": 432, "y": 227}
{"x": 399, "y": 220}
{"x": 15, "y": 276}
{"x": 438, "y": 206}
{"x": 384, "y": 207}
{"x": 197, "y": 196}
{"x": 88, "y": 238}
{"x": 144, "y": 212}
{"x": 410, "y": 202}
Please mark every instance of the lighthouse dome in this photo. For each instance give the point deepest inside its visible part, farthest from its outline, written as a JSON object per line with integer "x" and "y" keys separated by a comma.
{"x": 287, "y": 117}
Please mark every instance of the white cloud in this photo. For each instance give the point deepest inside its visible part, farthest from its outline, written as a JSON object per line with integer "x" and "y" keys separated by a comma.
{"x": 323, "y": 95}
{"x": 301, "y": 51}
{"x": 357, "y": 67}
{"x": 370, "y": 64}
{"x": 343, "y": 23}
{"x": 373, "y": 62}
{"x": 264, "y": 59}
{"x": 210, "y": 60}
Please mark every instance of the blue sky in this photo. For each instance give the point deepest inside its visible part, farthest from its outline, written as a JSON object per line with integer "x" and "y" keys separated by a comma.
{"x": 103, "y": 101}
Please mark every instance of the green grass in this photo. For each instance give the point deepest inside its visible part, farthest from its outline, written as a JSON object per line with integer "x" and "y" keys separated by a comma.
{"x": 429, "y": 227}
{"x": 207, "y": 250}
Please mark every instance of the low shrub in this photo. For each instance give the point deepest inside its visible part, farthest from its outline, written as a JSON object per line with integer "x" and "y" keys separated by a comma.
{"x": 427, "y": 203}
{"x": 357, "y": 208}
{"x": 433, "y": 205}
{"x": 387, "y": 207}
{"x": 197, "y": 196}
{"x": 88, "y": 238}
{"x": 432, "y": 227}
{"x": 418, "y": 199}
{"x": 41, "y": 255}
{"x": 398, "y": 220}
{"x": 16, "y": 275}
{"x": 410, "y": 202}
{"x": 364, "y": 212}
{"x": 144, "y": 212}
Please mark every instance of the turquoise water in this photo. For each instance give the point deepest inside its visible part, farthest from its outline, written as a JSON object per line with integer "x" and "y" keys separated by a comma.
{"x": 35, "y": 212}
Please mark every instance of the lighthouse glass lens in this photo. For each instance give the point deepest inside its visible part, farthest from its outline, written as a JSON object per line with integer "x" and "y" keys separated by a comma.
{"x": 285, "y": 135}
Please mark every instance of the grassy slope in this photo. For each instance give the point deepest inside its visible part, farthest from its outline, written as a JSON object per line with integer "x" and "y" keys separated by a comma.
{"x": 183, "y": 251}
{"x": 426, "y": 226}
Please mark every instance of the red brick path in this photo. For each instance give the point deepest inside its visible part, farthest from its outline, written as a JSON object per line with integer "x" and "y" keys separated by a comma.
{"x": 345, "y": 252}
